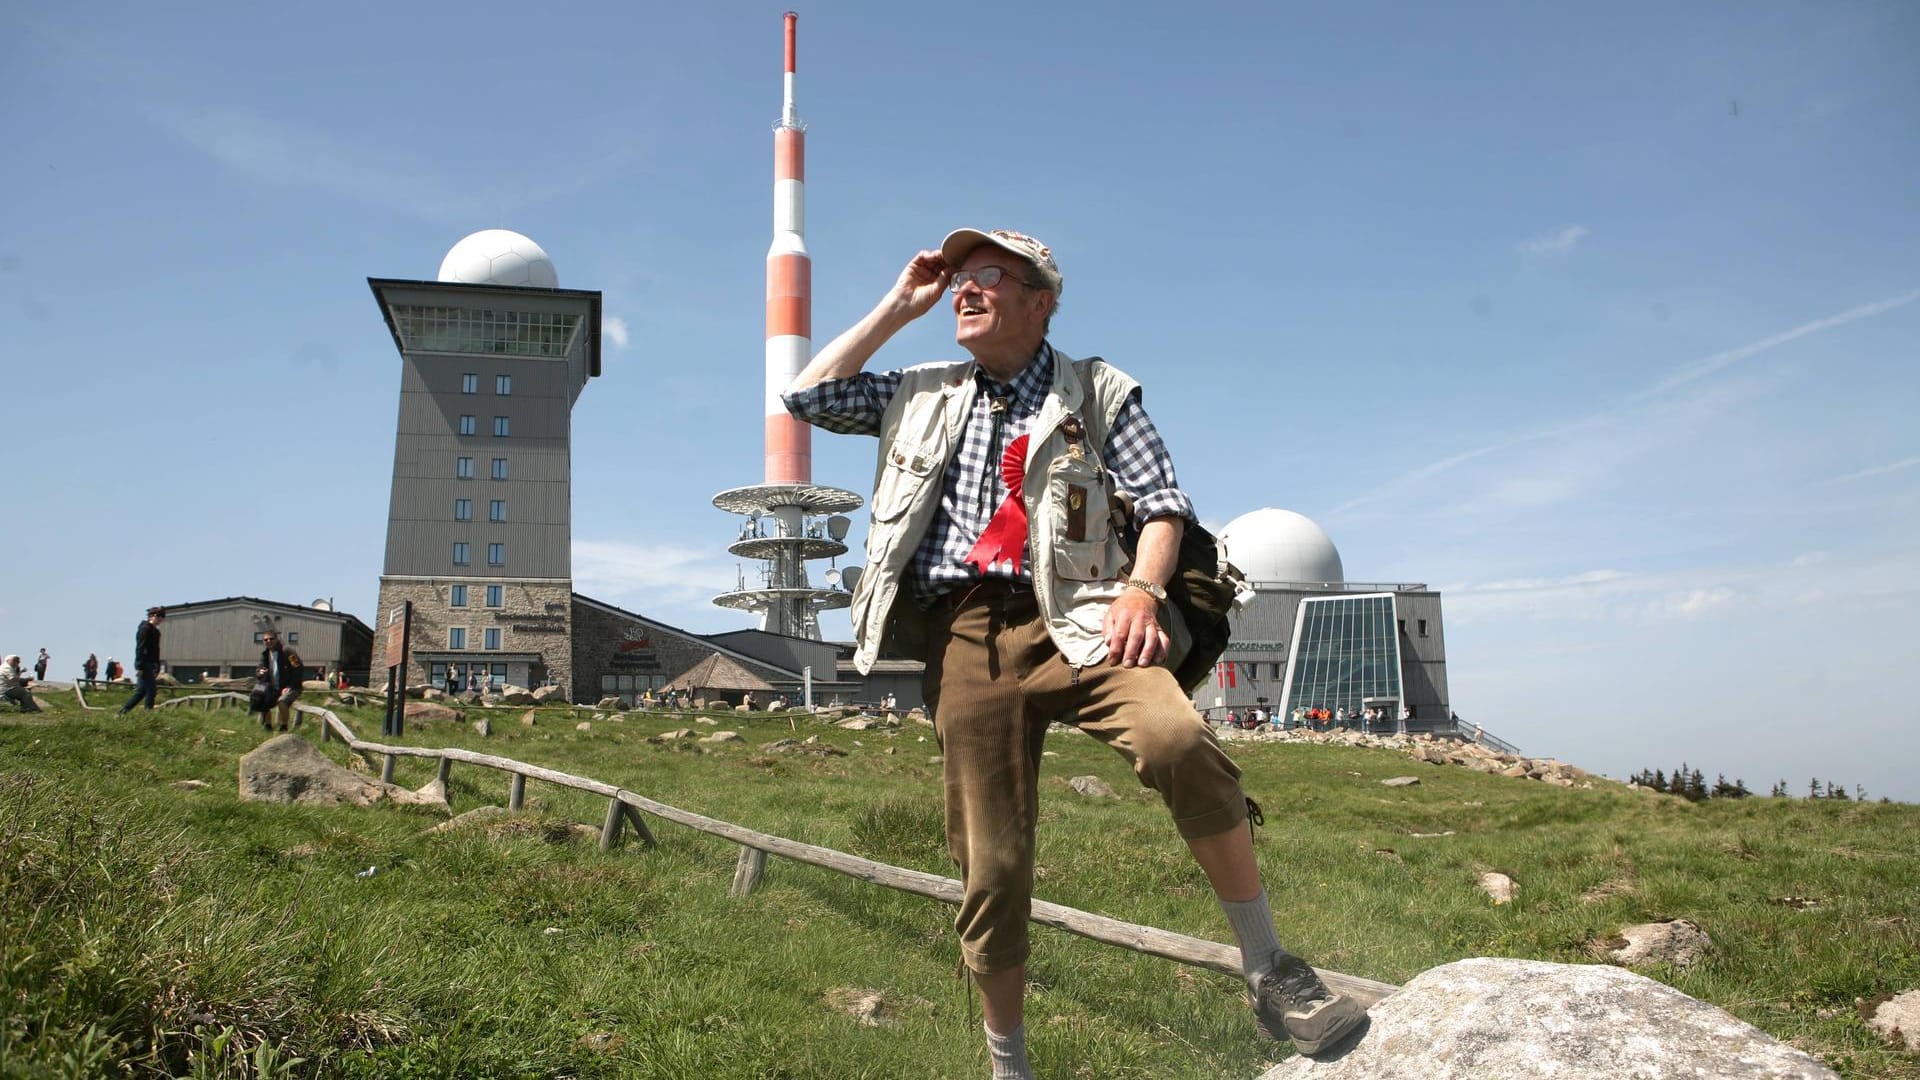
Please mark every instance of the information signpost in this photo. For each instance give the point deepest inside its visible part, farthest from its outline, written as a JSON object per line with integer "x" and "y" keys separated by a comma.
{"x": 399, "y": 643}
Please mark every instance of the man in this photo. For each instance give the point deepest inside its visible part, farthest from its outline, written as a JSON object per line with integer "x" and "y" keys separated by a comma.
{"x": 40, "y": 666}
{"x": 14, "y": 683}
{"x": 1027, "y": 623}
{"x": 280, "y": 668}
{"x": 91, "y": 669}
{"x": 146, "y": 660}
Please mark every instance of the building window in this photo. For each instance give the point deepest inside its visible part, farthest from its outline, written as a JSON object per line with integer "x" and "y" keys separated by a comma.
{"x": 484, "y": 332}
{"x": 1423, "y": 628}
{"x": 259, "y": 638}
{"x": 470, "y": 383}
{"x": 1276, "y": 671}
{"x": 500, "y": 426}
{"x": 496, "y": 596}
{"x": 293, "y": 637}
{"x": 463, "y": 509}
{"x": 497, "y": 510}
{"x": 499, "y": 468}
{"x": 466, "y": 425}
{"x": 1403, "y": 627}
{"x": 460, "y": 553}
{"x": 492, "y": 638}
{"x": 458, "y": 596}
{"x": 496, "y": 554}
{"x": 463, "y": 468}
{"x": 503, "y": 384}
{"x": 456, "y": 637}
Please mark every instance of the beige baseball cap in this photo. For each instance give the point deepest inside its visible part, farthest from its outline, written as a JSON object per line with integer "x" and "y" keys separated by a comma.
{"x": 961, "y": 243}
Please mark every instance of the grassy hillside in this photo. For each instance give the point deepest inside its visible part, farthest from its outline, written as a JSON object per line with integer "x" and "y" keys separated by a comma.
{"x": 151, "y": 930}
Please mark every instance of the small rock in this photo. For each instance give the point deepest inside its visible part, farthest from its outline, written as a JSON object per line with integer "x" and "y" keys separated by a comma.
{"x": 584, "y": 725}
{"x": 937, "y": 759}
{"x": 1497, "y": 886}
{"x": 484, "y": 727}
{"x": 544, "y": 694}
{"x": 723, "y": 737}
{"x": 1678, "y": 942}
{"x": 1400, "y": 781}
{"x": 1093, "y": 787}
{"x": 865, "y": 1006}
{"x": 189, "y": 785}
{"x": 608, "y": 703}
{"x": 604, "y": 1042}
{"x": 1898, "y": 1021}
{"x": 552, "y": 930}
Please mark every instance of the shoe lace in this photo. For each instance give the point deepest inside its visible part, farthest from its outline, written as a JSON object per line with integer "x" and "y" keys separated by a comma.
{"x": 1292, "y": 980}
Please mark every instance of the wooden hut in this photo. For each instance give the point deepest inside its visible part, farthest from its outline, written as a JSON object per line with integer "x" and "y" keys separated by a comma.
{"x": 721, "y": 679}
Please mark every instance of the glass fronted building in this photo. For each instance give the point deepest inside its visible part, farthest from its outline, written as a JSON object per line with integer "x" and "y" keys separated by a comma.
{"x": 1346, "y": 656}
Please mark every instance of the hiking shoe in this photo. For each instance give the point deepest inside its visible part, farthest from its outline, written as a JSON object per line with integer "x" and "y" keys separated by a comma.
{"x": 1290, "y": 1002}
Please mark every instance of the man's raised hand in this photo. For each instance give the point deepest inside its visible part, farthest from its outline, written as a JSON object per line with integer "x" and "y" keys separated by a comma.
{"x": 922, "y": 283}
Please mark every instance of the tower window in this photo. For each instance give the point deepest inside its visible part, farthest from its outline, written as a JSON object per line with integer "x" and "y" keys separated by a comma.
{"x": 499, "y": 468}
{"x": 466, "y": 425}
{"x": 463, "y": 468}
{"x": 457, "y": 596}
{"x": 492, "y": 637}
{"x": 1423, "y": 628}
{"x": 496, "y": 596}
{"x": 503, "y": 384}
{"x": 497, "y": 510}
{"x": 456, "y": 637}
{"x": 460, "y": 554}
{"x": 470, "y": 383}
{"x": 463, "y": 509}
{"x": 496, "y": 554}
{"x": 500, "y": 424}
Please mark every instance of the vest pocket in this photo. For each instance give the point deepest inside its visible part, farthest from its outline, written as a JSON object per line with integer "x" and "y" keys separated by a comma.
{"x": 905, "y": 468}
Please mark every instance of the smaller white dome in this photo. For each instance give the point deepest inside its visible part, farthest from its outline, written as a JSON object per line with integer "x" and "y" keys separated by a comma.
{"x": 1279, "y": 545}
{"x": 499, "y": 257}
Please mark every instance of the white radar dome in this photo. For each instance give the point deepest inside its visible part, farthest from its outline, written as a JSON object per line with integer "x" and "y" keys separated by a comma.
{"x": 1280, "y": 545}
{"x": 499, "y": 257}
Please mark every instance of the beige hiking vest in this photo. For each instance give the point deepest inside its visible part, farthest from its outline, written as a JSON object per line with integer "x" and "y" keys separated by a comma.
{"x": 1078, "y": 562}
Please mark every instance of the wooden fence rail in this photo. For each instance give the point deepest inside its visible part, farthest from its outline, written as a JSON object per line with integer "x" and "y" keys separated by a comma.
{"x": 624, "y": 807}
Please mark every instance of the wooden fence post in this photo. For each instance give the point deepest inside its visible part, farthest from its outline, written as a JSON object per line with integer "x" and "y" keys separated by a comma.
{"x": 610, "y": 832}
{"x": 517, "y": 794}
{"x": 746, "y": 872}
{"x": 446, "y": 770}
{"x": 639, "y": 824}
{"x": 386, "y": 770}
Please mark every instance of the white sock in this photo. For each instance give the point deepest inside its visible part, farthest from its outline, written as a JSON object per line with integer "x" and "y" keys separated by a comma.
{"x": 1252, "y": 922}
{"x": 1009, "y": 1054}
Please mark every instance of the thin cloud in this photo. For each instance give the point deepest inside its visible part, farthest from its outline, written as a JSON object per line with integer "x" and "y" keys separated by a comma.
{"x": 1877, "y": 470}
{"x": 1682, "y": 376}
{"x": 613, "y": 329}
{"x": 1700, "y": 369}
{"x": 1558, "y": 242}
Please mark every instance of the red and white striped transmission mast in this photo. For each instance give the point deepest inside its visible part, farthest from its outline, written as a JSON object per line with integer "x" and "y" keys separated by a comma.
{"x": 790, "y": 519}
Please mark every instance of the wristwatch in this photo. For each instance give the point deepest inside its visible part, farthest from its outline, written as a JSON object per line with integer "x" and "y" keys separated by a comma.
{"x": 1158, "y": 592}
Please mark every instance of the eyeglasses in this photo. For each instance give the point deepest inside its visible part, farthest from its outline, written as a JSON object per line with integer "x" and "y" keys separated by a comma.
{"x": 986, "y": 277}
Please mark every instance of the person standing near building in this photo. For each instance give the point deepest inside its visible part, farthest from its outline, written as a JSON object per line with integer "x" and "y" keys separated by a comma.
{"x": 1025, "y": 624}
{"x": 281, "y": 670}
{"x": 40, "y": 666}
{"x": 14, "y": 684}
{"x": 146, "y": 660}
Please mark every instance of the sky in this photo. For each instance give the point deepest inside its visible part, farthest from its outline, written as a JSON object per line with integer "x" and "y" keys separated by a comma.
{"x": 1603, "y": 322}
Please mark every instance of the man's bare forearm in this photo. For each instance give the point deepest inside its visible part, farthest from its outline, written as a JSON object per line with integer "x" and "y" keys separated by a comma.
{"x": 846, "y": 355}
{"x": 913, "y": 295}
{"x": 1159, "y": 549}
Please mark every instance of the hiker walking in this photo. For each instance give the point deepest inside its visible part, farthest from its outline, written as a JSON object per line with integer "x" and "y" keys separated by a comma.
{"x": 146, "y": 660}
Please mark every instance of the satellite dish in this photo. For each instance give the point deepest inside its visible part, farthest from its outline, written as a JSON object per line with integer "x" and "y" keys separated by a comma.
{"x": 850, "y": 577}
{"x": 321, "y": 604}
{"x": 837, "y": 526}
{"x": 832, "y": 576}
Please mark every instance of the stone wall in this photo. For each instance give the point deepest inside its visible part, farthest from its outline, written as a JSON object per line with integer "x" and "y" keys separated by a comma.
{"x": 607, "y": 643}
{"x": 535, "y": 617}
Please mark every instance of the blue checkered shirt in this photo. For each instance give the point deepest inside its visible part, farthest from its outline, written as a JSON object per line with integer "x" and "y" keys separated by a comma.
{"x": 971, "y": 490}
